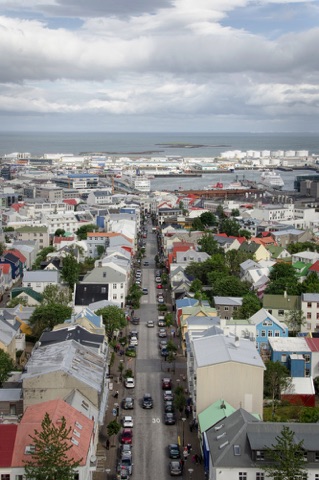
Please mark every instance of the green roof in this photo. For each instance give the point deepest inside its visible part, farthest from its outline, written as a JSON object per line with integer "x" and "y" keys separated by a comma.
{"x": 28, "y": 291}
{"x": 275, "y": 251}
{"x": 36, "y": 229}
{"x": 213, "y": 414}
{"x": 288, "y": 302}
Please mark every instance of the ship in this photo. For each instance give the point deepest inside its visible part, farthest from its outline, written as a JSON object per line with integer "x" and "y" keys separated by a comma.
{"x": 272, "y": 179}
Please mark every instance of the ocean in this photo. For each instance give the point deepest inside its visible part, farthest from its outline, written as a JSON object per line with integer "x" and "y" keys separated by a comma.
{"x": 155, "y": 144}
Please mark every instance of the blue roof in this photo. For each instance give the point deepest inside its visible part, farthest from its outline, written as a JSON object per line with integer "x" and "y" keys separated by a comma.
{"x": 186, "y": 302}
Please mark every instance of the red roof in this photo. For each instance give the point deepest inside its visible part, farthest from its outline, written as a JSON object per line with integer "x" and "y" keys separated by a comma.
{"x": 314, "y": 267}
{"x": 58, "y": 240}
{"x": 7, "y": 439}
{"x": 56, "y": 409}
{"x": 71, "y": 201}
{"x": 240, "y": 239}
{"x": 17, "y": 206}
{"x": 18, "y": 254}
{"x": 313, "y": 344}
{"x": 5, "y": 267}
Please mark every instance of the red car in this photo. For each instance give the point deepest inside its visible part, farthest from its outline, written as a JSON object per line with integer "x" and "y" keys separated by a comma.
{"x": 127, "y": 436}
{"x": 166, "y": 384}
{"x": 159, "y": 286}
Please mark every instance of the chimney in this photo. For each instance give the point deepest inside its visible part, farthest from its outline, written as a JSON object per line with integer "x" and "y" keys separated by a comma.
{"x": 236, "y": 341}
{"x": 285, "y": 294}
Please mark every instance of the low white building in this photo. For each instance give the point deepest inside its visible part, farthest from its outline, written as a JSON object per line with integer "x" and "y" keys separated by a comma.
{"x": 38, "y": 280}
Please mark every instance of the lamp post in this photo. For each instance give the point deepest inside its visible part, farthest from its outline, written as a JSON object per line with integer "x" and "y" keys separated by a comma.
{"x": 183, "y": 420}
{"x": 107, "y": 471}
{"x": 190, "y": 471}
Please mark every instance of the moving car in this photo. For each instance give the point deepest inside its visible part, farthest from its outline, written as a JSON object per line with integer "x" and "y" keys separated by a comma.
{"x": 169, "y": 418}
{"x": 127, "y": 403}
{"x": 174, "y": 450}
{"x": 127, "y": 435}
{"x": 129, "y": 382}
{"x": 175, "y": 468}
{"x": 150, "y": 323}
{"x": 147, "y": 401}
{"x": 133, "y": 333}
{"x": 127, "y": 421}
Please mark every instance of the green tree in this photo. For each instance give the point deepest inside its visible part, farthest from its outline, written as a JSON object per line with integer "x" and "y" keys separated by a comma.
{"x": 17, "y": 301}
{"x": 2, "y": 248}
{"x": 196, "y": 286}
{"x": 310, "y": 284}
{"x": 86, "y": 266}
{"x": 235, "y": 212}
{"x": 250, "y": 305}
{"x": 287, "y": 458}
{"x": 229, "y": 286}
{"x": 276, "y": 379}
{"x": 70, "y": 271}
{"x": 295, "y": 319}
{"x": 309, "y": 415}
{"x": 113, "y": 429}
{"x": 283, "y": 278}
{"x": 208, "y": 219}
{"x": 244, "y": 233}
{"x": 54, "y": 294}
{"x": 100, "y": 250}
{"x": 204, "y": 271}
{"x": 47, "y": 316}
{"x": 6, "y": 366}
{"x": 301, "y": 247}
{"x": 83, "y": 231}
{"x": 220, "y": 212}
{"x": 50, "y": 458}
{"x": 197, "y": 225}
{"x": 229, "y": 226}
{"x": 59, "y": 232}
{"x": 233, "y": 259}
{"x": 42, "y": 256}
{"x": 113, "y": 319}
{"x": 208, "y": 244}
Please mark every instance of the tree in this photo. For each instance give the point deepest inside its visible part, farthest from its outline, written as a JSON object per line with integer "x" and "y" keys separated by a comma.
{"x": 295, "y": 319}
{"x": 197, "y": 224}
{"x": 229, "y": 286}
{"x": 17, "y": 301}
{"x": 208, "y": 244}
{"x": 283, "y": 279}
{"x": 235, "y": 212}
{"x": 53, "y": 294}
{"x": 59, "y": 232}
{"x": 70, "y": 271}
{"x": 309, "y": 415}
{"x": 50, "y": 458}
{"x": 208, "y": 219}
{"x": 244, "y": 233}
{"x": 113, "y": 428}
{"x": 41, "y": 257}
{"x": 196, "y": 286}
{"x": 229, "y": 226}
{"x": 47, "y": 316}
{"x": 276, "y": 379}
{"x": 113, "y": 319}
{"x": 249, "y": 307}
{"x": 83, "y": 231}
{"x": 100, "y": 249}
{"x": 310, "y": 284}
{"x": 220, "y": 212}
{"x": 233, "y": 259}
{"x": 287, "y": 458}
{"x": 6, "y": 366}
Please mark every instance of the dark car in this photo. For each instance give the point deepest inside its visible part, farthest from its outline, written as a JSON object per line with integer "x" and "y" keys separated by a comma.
{"x": 146, "y": 263}
{"x": 147, "y": 401}
{"x": 133, "y": 333}
{"x": 128, "y": 403}
{"x": 164, "y": 352}
{"x": 174, "y": 451}
{"x": 162, "y": 344}
{"x": 127, "y": 435}
{"x": 135, "y": 320}
{"x": 166, "y": 383}
{"x": 169, "y": 407}
{"x": 175, "y": 468}
{"x": 169, "y": 419}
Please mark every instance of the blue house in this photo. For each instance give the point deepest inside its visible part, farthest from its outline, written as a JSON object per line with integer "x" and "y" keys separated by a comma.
{"x": 267, "y": 326}
{"x": 294, "y": 353}
{"x": 16, "y": 265}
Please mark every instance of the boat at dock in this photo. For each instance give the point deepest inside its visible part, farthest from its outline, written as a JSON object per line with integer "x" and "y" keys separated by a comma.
{"x": 272, "y": 179}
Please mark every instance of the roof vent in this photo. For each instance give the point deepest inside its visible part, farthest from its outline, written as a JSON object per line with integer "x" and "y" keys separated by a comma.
{"x": 223, "y": 445}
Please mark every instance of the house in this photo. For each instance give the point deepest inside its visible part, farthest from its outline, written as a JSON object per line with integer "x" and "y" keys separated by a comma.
{"x": 226, "y": 306}
{"x": 246, "y": 266}
{"x": 38, "y": 280}
{"x": 301, "y": 391}
{"x": 29, "y": 249}
{"x": 314, "y": 268}
{"x": 281, "y": 305}
{"x": 11, "y": 404}
{"x": 15, "y": 264}
{"x": 305, "y": 257}
{"x": 83, "y": 436}
{"x": 23, "y": 261}
{"x": 313, "y": 344}
{"x": 291, "y": 235}
{"x": 301, "y": 270}
{"x": 228, "y": 242}
{"x": 6, "y": 277}
{"x": 236, "y": 446}
{"x": 310, "y": 309}
{"x": 87, "y": 319}
{"x": 11, "y": 336}
{"x": 267, "y": 326}
{"x": 54, "y": 371}
{"x": 8, "y": 434}
{"x": 294, "y": 353}
{"x": 259, "y": 251}
{"x": 228, "y": 368}
{"x": 195, "y": 311}
{"x": 278, "y": 253}
{"x": 105, "y": 240}
{"x": 29, "y": 296}
{"x": 39, "y": 234}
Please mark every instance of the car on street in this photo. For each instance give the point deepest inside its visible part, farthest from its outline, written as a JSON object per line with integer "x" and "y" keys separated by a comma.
{"x": 145, "y": 291}
{"x": 126, "y": 462}
{"x": 162, "y": 333}
{"x": 133, "y": 333}
{"x": 127, "y": 435}
{"x": 127, "y": 421}
{"x": 169, "y": 418}
{"x": 174, "y": 450}
{"x": 175, "y": 468}
{"x": 161, "y": 323}
{"x": 168, "y": 395}
{"x": 159, "y": 286}
{"x": 146, "y": 263}
{"x": 138, "y": 282}
{"x": 164, "y": 352}
{"x": 162, "y": 344}
{"x": 130, "y": 351}
{"x": 169, "y": 407}
{"x": 123, "y": 474}
{"x": 150, "y": 323}
{"x": 133, "y": 341}
{"x": 129, "y": 382}
{"x": 160, "y": 299}
{"x": 158, "y": 280}
{"x": 127, "y": 403}
{"x": 136, "y": 320}
{"x": 166, "y": 383}
{"x": 147, "y": 401}
{"x": 125, "y": 448}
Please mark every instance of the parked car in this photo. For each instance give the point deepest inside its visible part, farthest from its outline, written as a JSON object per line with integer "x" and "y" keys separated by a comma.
{"x": 162, "y": 344}
{"x": 129, "y": 382}
{"x": 160, "y": 299}
{"x": 127, "y": 435}
{"x": 164, "y": 352}
{"x": 159, "y": 286}
{"x": 158, "y": 280}
{"x": 174, "y": 450}
{"x": 175, "y": 468}
{"x": 133, "y": 341}
{"x": 169, "y": 419}
{"x": 145, "y": 291}
{"x": 125, "y": 448}
{"x": 147, "y": 401}
{"x": 130, "y": 351}
{"x": 136, "y": 320}
{"x": 127, "y": 403}
{"x": 166, "y": 384}
{"x": 169, "y": 407}
{"x": 168, "y": 395}
{"x": 126, "y": 462}
{"x": 138, "y": 282}
{"x": 133, "y": 333}
{"x": 161, "y": 323}
{"x": 127, "y": 421}
{"x": 150, "y": 323}
{"x": 162, "y": 333}
{"x": 146, "y": 263}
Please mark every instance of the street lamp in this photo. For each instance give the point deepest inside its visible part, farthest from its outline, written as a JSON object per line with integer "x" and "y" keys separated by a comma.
{"x": 190, "y": 471}
{"x": 183, "y": 420}
{"x": 107, "y": 471}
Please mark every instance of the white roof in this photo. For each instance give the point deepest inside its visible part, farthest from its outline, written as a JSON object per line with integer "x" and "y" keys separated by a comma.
{"x": 289, "y": 344}
{"x": 217, "y": 349}
{"x": 301, "y": 386}
{"x": 262, "y": 314}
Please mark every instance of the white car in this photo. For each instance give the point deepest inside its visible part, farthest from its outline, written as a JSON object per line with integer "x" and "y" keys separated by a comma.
{"x": 129, "y": 382}
{"x": 127, "y": 421}
{"x": 134, "y": 341}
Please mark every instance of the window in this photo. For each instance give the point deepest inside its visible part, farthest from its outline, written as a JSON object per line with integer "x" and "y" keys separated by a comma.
{"x": 103, "y": 289}
{"x": 19, "y": 477}
{"x": 307, "y": 372}
{"x": 306, "y": 356}
{"x": 122, "y": 285}
{"x": 308, "y": 315}
{"x": 305, "y": 456}
{"x": 226, "y": 309}
{"x": 114, "y": 286}
{"x": 309, "y": 304}
{"x": 277, "y": 333}
{"x": 267, "y": 322}
{"x": 260, "y": 475}
{"x": 5, "y": 476}
{"x": 263, "y": 333}
{"x": 242, "y": 476}
{"x": 115, "y": 297}
{"x": 284, "y": 357}
{"x": 317, "y": 316}
{"x": 260, "y": 455}
{"x": 269, "y": 333}
{"x": 281, "y": 313}
{"x": 104, "y": 274}
{"x": 270, "y": 311}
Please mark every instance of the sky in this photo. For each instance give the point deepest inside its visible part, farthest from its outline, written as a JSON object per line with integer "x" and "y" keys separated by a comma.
{"x": 159, "y": 65}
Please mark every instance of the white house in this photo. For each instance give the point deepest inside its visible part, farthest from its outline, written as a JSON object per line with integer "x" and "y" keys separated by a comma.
{"x": 39, "y": 279}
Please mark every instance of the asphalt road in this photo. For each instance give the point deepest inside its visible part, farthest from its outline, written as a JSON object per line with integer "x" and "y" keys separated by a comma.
{"x": 151, "y": 435}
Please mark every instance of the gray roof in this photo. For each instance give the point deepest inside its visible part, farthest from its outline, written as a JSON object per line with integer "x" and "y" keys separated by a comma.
{"x": 10, "y": 394}
{"x": 310, "y": 297}
{"x": 229, "y": 301}
{"x": 104, "y": 275}
{"x": 71, "y": 358}
{"x": 263, "y": 434}
{"x": 217, "y": 349}
{"x": 41, "y": 276}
